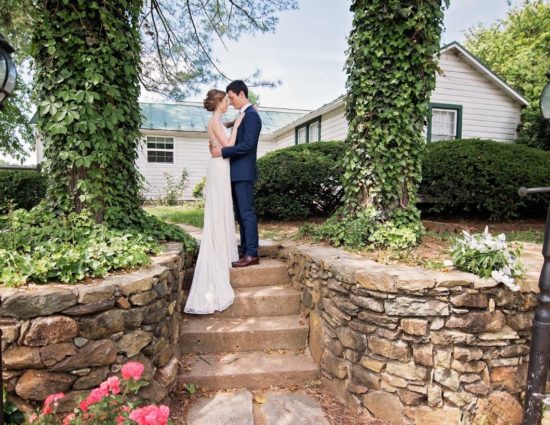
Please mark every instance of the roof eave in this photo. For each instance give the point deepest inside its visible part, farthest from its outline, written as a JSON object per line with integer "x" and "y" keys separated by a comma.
{"x": 483, "y": 68}
{"x": 325, "y": 109}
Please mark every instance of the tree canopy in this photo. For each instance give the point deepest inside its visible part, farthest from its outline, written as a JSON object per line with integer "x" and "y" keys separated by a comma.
{"x": 176, "y": 56}
{"x": 518, "y": 49}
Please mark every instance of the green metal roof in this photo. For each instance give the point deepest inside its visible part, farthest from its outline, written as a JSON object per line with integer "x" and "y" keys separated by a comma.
{"x": 190, "y": 116}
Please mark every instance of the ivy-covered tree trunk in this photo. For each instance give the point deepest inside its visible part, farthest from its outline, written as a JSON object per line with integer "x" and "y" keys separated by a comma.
{"x": 87, "y": 58}
{"x": 391, "y": 70}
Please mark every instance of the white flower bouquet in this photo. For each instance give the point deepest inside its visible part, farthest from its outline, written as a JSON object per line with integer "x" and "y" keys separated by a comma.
{"x": 488, "y": 256}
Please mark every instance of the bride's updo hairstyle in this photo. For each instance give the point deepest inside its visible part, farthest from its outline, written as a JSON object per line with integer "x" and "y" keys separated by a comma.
{"x": 213, "y": 98}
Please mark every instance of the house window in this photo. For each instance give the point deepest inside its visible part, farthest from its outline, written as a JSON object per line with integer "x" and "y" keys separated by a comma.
{"x": 309, "y": 131}
{"x": 444, "y": 122}
{"x": 160, "y": 149}
{"x": 301, "y": 135}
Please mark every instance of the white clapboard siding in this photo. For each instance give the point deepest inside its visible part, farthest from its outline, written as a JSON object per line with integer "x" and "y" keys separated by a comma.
{"x": 286, "y": 139}
{"x": 190, "y": 152}
{"x": 487, "y": 111}
{"x": 334, "y": 125}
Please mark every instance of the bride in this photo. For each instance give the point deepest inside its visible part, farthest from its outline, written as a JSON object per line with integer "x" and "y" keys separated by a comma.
{"x": 211, "y": 290}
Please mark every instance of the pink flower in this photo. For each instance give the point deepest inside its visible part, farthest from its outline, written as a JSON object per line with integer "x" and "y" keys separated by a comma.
{"x": 67, "y": 419}
{"x": 132, "y": 370}
{"x": 84, "y": 405}
{"x": 151, "y": 415}
{"x": 32, "y": 418}
{"x": 112, "y": 384}
{"x": 51, "y": 399}
{"x": 97, "y": 395}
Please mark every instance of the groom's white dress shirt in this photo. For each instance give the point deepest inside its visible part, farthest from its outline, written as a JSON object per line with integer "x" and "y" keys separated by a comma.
{"x": 244, "y": 108}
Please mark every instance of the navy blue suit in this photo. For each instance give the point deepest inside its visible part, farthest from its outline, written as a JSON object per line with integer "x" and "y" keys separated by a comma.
{"x": 243, "y": 175}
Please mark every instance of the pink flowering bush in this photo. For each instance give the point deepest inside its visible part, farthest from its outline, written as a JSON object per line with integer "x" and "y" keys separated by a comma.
{"x": 107, "y": 404}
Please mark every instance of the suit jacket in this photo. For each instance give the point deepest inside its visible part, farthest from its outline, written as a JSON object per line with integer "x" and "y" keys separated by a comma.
{"x": 243, "y": 154}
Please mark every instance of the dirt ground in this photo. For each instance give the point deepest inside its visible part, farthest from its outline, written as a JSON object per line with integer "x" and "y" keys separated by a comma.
{"x": 434, "y": 248}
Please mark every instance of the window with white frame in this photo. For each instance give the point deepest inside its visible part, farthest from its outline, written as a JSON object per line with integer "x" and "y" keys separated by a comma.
{"x": 313, "y": 132}
{"x": 445, "y": 122}
{"x": 301, "y": 135}
{"x": 160, "y": 149}
{"x": 309, "y": 131}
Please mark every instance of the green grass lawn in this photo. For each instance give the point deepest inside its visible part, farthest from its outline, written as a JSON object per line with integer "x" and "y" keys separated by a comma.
{"x": 184, "y": 214}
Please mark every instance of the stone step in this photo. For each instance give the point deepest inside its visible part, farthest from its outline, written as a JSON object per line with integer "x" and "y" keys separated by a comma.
{"x": 268, "y": 272}
{"x": 263, "y": 301}
{"x": 251, "y": 370}
{"x": 269, "y": 248}
{"x": 218, "y": 335}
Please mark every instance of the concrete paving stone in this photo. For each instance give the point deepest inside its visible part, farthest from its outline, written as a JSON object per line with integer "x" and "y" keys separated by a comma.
{"x": 292, "y": 408}
{"x": 223, "y": 409}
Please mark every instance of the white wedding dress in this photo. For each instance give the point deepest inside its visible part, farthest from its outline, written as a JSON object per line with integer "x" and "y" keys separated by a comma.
{"x": 211, "y": 290}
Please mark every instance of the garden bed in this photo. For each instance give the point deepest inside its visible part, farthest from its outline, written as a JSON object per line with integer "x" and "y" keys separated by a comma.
{"x": 61, "y": 338}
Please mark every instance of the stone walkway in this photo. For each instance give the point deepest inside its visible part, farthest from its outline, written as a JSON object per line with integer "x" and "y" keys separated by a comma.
{"x": 242, "y": 408}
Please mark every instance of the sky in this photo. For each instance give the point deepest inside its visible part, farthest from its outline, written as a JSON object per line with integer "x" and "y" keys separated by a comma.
{"x": 307, "y": 51}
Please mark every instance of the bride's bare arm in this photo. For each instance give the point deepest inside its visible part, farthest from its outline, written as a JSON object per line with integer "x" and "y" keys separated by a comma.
{"x": 221, "y": 135}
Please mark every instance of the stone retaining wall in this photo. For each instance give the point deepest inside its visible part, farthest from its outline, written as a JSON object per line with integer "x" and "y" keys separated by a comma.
{"x": 69, "y": 338}
{"x": 413, "y": 346}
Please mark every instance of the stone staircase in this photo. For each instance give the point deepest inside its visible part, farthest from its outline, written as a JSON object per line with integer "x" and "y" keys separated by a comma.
{"x": 259, "y": 342}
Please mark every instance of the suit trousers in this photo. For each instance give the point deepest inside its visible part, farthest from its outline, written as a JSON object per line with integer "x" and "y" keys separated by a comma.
{"x": 245, "y": 213}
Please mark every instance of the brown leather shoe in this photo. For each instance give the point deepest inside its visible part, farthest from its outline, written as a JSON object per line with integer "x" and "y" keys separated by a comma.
{"x": 246, "y": 261}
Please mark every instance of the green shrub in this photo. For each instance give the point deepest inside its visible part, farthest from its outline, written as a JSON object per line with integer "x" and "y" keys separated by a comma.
{"x": 21, "y": 189}
{"x": 173, "y": 189}
{"x": 38, "y": 247}
{"x": 299, "y": 182}
{"x": 483, "y": 176}
{"x": 198, "y": 193}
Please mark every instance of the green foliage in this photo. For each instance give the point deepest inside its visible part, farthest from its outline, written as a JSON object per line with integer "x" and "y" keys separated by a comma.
{"x": 89, "y": 117}
{"x": 516, "y": 48}
{"x": 198, "y": 190}
{"x": 180, "y": 215}
{"x": 40, "y": 247}
{"x": 483, "y": 176}
{"x": 367, "y": 231}
{"x": 391, "y": 70}
{"x": 21, "y": 189}
{"x": 299, "y": 182}
{"x": 173, "y": 190}
{"x": 12, "y": 415}
{"x": 16, "y": 133}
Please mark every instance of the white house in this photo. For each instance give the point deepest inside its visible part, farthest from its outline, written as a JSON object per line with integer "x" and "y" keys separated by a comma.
{"x": 469, "y": 101}
{"x": 175, "y": 138}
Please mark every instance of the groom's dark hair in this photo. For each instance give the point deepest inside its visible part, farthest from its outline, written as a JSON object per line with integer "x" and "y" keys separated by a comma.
{"x": 237, "y": 87}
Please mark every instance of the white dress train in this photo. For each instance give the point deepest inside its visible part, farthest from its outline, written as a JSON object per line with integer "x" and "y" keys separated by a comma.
{"x": 211, "y": 290}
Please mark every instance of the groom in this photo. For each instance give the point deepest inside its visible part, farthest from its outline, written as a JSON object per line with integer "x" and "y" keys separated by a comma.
{"x": 243, "y": 172}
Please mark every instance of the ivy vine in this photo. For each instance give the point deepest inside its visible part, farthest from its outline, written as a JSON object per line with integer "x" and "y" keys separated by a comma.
{"x": 87, "y": 62}
{"x": 391, "y": 66}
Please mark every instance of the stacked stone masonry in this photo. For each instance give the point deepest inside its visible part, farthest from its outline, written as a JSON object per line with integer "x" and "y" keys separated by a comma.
{"x": 413, "y": 346}
{"x": 69, "y": 338}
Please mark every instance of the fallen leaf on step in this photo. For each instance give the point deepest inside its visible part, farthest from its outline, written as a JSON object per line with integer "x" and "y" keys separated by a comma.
{"x": 260, "y": 399}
